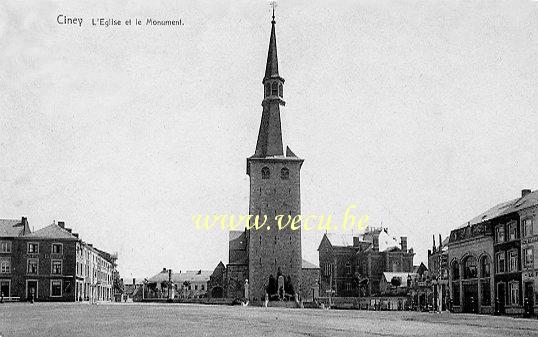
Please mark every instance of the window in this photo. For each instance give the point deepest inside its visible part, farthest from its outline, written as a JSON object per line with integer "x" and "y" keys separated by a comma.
{"x": 485, "y": 267}
{"x": 55, "y": 288}
{"x": 486, "y": 293}
{"x": 512, "y": 258}
{"x": 456, "y": 293}
{"x": 5, "y": 247}
{"x": 195, "y": 287}
{"x": 274, "y": 89}
{"x": 5, "y": 267}
{"x": 527, "y": 227}
{"x": 56, "y": 267}
{"x": 469, "y": 269}
{"x": 32, "y": 266}
{"x": 514, "y": 293}
{"x": 348, "y": 268}
{"x": 284, "y": 173}
{"x": 501, "y": 262}
{"x": 528, "y": 257}
{"x": 33, "y": 248}
{"x": 512, "y": 231}
{"x": 499, "y": 233}
{"x": 280, "y": 90}
{"x": 455, "y": 271}
{"x": 57, "y": 248}
{"x": 266, "y": 174}
{"x": 267, "y": 89}
{"x": 203, "y": 287}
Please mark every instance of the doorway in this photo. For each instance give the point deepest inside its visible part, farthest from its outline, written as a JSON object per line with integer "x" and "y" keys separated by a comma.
{"x": 5, "y": 288}
{"x": 470, "y": 298}
{"x": 31, "y": 288}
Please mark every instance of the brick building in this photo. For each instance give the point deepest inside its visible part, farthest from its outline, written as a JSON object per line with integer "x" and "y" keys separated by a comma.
{"x": 10, "y": 230}
{"x": 262, "y": 256}
{"x": 490, "y": 268}
{"x": 354, "y": 265}
{"x": 53, "y": 264}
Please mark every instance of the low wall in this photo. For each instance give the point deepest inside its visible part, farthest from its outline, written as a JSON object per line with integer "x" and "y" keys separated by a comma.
{"x": 221, "y": 301}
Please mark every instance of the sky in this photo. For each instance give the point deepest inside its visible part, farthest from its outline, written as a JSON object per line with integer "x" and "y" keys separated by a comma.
{"x": 421, "y": 113}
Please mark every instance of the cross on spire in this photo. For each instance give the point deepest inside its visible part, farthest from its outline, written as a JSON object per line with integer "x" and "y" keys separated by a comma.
{"x": 273, "y": 4}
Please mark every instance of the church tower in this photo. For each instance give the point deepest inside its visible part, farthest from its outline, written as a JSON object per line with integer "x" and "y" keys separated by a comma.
{"x": 274, "y": 191}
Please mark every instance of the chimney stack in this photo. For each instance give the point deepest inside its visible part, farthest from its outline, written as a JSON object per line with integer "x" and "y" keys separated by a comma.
{"x": 134, "y": 281}
{"x": 375, "y": 243}
{"x": 61, "y": 224}
{"x": 434, "y": 248}
{"x": 404, "y": 243}
{"x": 525, "y": 192}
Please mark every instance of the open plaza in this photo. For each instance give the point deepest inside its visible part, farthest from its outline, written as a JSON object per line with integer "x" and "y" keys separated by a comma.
{"x": 137, "y": 319}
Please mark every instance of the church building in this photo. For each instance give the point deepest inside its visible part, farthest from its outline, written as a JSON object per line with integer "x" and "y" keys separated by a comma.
{"x": 269, "y": 257}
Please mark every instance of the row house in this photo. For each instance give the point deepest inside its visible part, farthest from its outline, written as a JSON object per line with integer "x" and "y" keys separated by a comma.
{"x": 492, "y": 259}
{"x": 47, "y": 265}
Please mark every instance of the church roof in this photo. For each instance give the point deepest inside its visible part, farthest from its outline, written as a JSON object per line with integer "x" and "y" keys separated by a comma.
{"x": 271, "y": 68}
{"x": 309, "y": 265}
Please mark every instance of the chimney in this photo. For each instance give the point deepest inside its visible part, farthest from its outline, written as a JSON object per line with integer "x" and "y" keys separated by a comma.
{"x": 440, "y": 243}
{"x": 404, "y": 243}
{"x": 356, "y": 241}
{"x": 433, "y": 244}
{"x": 164, "y": 270}
{"x": 24, "y": 224}
{"x": 61, "y": 224}
{"x": 525, "y": 192}
{"x": 134, "y": 281}
{"x": 75, "y": 235}
{"x": 375, "y": 243}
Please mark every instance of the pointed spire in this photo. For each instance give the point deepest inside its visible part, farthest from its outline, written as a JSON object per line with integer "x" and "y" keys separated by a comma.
{"x": 271, "y": 68}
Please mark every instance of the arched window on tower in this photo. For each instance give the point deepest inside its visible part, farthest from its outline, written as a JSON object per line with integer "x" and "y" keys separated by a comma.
{"x": 284, "y": 173}
{"x": 266, "y": 174}
{"x": 274, "y": 89}
{"x": 280, "y": 90}
{"x": 267, "y": 89}
{"x": 485, "y": 266}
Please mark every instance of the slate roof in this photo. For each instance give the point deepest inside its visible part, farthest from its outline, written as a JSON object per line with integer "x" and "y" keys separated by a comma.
{"x": 11, "y": 228}
{"x": 506, "y": 207}
{"x": 189, "y": 275}
{"x": 52, "y": 232}
{"x": 309, "y": 265}
{"x": 340, "y": 239}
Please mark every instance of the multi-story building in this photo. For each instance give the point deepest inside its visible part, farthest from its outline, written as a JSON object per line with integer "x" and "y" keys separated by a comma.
{"x": 354, "y": 265}
{"x": 10, "y": 230}
{"x": 490, "y": 269}
{"x": 53, "y": 264}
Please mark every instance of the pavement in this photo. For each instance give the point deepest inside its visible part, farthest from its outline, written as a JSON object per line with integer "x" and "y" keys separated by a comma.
{"x": 137, "y": 319}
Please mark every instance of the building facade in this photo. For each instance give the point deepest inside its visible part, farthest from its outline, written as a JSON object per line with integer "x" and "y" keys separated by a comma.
{"x": 352, "y": 266}
{"x": 492, "y": 259}
{"x": 46, "y": 265}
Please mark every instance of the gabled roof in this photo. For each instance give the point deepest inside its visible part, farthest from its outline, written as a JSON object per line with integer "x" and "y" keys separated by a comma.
{"x": 13, "y": 228}
{"x": 178, "y": 278}
{"x": 504, "y": 208}
{"x": 340, "y": 239}
{"x": 309, "y": 265}
{"x": 52, "y": 232}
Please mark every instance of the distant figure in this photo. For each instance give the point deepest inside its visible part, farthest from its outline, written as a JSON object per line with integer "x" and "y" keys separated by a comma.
{"x": 246, "y": 289}
{"x": 266, "y": 302}
{"x": 2, "y": 297}
{"x": 32, "y": 295}
{"x": 281, "y": 287}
